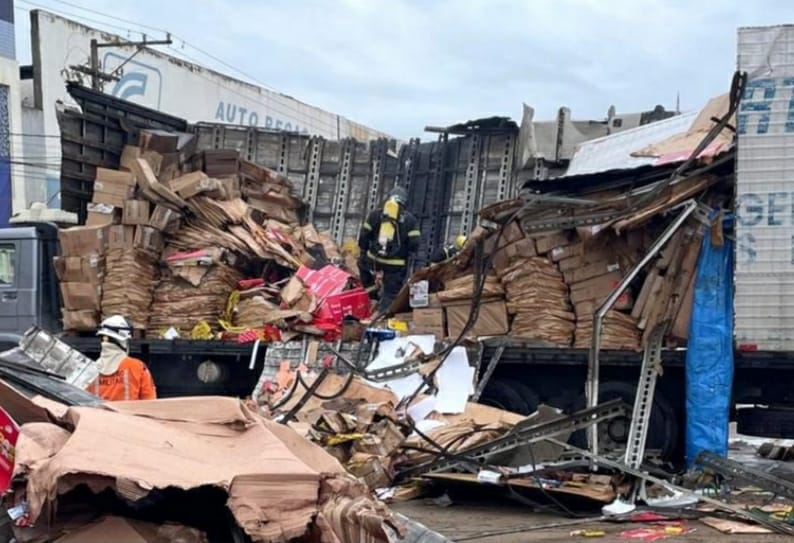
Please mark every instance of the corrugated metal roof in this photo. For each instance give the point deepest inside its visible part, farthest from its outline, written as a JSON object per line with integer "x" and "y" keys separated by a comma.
{"x": 614, "y": 152}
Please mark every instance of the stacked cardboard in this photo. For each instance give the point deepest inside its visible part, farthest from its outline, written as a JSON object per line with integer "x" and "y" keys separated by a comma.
{"x": 451, "y": 308}
{"x": 618, "y": 331}
{"x": 132, "y": 272}
{"x": 537, "y": 297}
{"x": 112, "y": 189}
{"x": 81, "y": 271}
{"x": 667, "y": 291}
{"x": 593, "y": 263}
{"x": 182, "y": 304}
{"x": 182, "y": 230}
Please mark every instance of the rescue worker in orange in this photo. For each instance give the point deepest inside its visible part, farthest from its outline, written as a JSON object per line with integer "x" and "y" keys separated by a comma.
{"x": 121, "y": 377}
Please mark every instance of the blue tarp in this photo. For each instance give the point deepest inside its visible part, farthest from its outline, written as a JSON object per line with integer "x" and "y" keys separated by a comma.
{"x": 709, "y": 358}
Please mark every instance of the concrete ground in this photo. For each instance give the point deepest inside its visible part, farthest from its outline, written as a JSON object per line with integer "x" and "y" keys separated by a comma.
{"x": 471, "y": 516}
{"x": 469, "y": 522}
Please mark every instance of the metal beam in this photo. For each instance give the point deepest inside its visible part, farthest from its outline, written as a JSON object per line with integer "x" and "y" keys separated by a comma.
{"x": 593, "y": 363}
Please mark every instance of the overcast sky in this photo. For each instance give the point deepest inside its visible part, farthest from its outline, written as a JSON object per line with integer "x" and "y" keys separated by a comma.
{"x": 398, "y": 65}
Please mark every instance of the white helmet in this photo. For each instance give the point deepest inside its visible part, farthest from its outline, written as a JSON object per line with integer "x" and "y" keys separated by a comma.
{"x": 116, "y": 328}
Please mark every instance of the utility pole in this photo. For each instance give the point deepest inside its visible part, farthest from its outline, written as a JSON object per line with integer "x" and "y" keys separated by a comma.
{"x": 97, "y": 75}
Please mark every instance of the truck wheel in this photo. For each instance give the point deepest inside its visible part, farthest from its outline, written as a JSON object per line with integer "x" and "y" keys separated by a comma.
{"x": 663, "y": 433}
{"x": 775, "y": 422}
{"x": 501, "y": 395}
{"x": 528, "y": 396}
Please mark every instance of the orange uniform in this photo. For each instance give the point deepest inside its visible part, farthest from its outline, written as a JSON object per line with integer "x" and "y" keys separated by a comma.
{"x": 132, "y": 381}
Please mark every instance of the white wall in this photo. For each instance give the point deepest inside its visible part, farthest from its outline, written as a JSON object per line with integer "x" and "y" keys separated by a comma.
{"x": 171, "y": 85}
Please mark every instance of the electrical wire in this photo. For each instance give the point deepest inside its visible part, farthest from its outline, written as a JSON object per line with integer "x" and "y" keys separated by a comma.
{"x": 287, "y": 109}
{"x": 67, "y": 16}
{"x": 178, "y": 38}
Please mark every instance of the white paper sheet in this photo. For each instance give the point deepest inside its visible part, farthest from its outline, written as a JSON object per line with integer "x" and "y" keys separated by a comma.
{"x": 455, "y": 382}
{"x": 421, "y": 409}
{"x": 404, "y": 386}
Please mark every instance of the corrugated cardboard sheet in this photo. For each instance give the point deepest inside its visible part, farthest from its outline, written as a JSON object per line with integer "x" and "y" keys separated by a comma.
{"x": 280, "y": 485}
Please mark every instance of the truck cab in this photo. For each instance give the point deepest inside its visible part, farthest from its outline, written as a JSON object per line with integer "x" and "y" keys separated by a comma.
{"x": 28, "y": 288}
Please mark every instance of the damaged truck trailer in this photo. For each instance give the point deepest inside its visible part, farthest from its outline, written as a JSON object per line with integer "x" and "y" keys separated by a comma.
{"x": 449, "y": 180}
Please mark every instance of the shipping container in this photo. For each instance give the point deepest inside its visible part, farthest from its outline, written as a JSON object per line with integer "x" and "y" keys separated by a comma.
{"x": 764, "y": 273}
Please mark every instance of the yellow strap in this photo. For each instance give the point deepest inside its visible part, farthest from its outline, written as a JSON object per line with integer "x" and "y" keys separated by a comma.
{"x": 388, "y": 261}
{"x": 414, "y": 233}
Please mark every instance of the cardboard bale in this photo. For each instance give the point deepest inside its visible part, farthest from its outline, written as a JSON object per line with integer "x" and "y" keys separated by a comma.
{"x": 113, "y": 187}
{"x": 596, "y": 288}
{"x": 114, "y": 179}
{"x": 194, "y": 183}
{"x": 618, "y": 332}
{"x": 83, "y": 320}
{"x": 511, "y": 233}
{"x": 522, "y": 248}
{"x": 148, "y": 239}
{"x": 537, "y": 297}
{"x": 83, "y": 240}
{"x": 136, "y": 212}
{"x": 80, "y": 296}
{"x": 428, "y": 321}
{"x": 180, "y": 304}
{"x": 220, "y": 162}
{"x": 158, "y": 140}
{"x": 588, "y": 271}
{"x": 561, "y": 253}
{"x": 462, "y": 288}
{"x": 121, "y": 237}
{"x": 548, "y": 242}
{"x": 76, "y": 269}
{"x": 491, "y": 319}
{"x": 102, "y": 215}
{"x": 165, "y": 219}
{"x": 130, "y": 278}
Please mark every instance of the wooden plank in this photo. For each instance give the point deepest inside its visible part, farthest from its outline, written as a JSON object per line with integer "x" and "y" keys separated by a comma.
{"x": 667, "y": 252}
{"x": 686, "y": 271}
{"x": 645, "y": 292}
{"x": 656, "y": 289}
{"x": 680, "y": 327}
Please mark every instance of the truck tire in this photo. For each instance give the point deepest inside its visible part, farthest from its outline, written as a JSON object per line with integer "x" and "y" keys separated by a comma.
{"x": 777, "y": 422}
{"x": 663, "y": 434}
{"x": 500, "y": 394}
{"x": 528, "y": 396}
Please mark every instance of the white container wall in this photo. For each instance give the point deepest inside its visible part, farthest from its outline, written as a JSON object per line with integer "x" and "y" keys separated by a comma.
{"x": 764, "y": 273}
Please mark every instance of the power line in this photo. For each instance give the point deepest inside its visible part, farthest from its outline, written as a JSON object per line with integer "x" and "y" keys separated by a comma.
{"x": 66, "y": 15}
{"x": 286, "y": 109}
{"x": 179, "y": 38}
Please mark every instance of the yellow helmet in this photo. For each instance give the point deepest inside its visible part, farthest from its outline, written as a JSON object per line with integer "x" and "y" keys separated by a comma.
{"x": 460, "y": 241}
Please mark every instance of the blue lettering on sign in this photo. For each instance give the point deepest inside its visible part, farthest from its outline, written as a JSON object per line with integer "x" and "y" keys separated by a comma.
{"x": 770, "y": 209}
{"x": 757, "y": 102}
{"x": 228, "y": 112}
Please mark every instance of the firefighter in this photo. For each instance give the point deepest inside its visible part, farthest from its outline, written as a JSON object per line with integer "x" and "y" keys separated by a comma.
{"x": 121, "y": 377}
{"x": 450, "y": 250}
{"x": 388, "y": 240}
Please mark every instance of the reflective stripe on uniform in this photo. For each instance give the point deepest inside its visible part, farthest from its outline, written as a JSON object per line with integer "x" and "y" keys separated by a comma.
{"x": 414, "y": 233}
{"x": 387, "y": 261}
{"x": 366, "y": 226}
{"x": 126, "y": 375}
